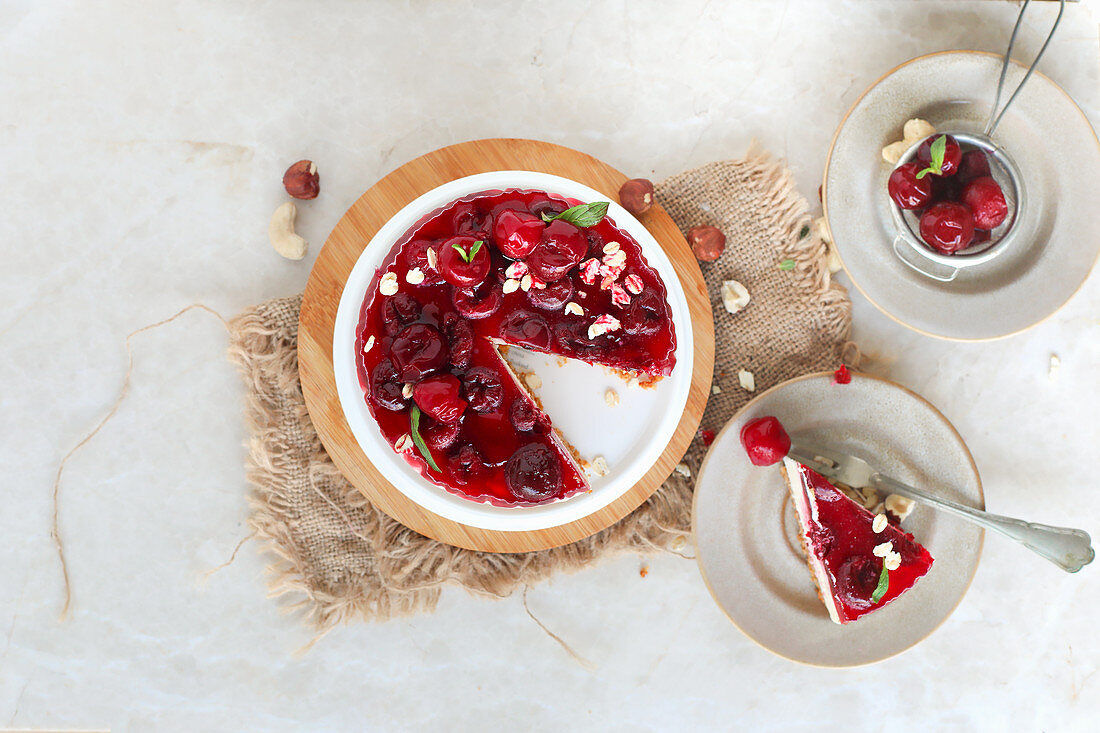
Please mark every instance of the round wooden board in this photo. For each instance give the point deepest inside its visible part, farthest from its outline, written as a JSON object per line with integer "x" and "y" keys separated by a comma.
{"x": 350, "y": 237}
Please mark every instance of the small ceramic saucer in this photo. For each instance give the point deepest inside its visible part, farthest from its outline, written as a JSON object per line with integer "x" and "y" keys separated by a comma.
{"x": 1056, "y": 239}
{"x": 746, "y": 531}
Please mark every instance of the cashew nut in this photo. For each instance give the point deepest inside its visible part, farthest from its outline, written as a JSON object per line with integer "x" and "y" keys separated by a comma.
{"x": 914, "y": 130}
{"x": 281, "y": 233}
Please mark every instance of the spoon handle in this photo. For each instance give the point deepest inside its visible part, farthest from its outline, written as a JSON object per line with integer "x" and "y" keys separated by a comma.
{"x": 1069, "y": 549}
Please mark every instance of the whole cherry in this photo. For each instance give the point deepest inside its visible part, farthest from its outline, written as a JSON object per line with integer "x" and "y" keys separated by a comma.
{"x": 947, "y": 227}
{"x": 440, "y": 397}
{"x": 946, "y": 164}
{"x": 765, "y": 440}
{"x": 986, "y": 201}
{"x": 908, "y": 191}
{"x": 464, "y": 261}
{"x": 532, "y": 473}
{"x": 974, "y": 165}
{"x": 562, "y": 248}
{"x": 517, "y": 233}
{"x": 417, "y": 351}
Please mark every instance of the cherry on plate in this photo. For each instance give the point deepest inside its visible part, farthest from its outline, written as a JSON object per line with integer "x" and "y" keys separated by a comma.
{"x": 947, "y": 227}
{"x": 533, "y": 473}
{"x": 417, "y": 351}
{"x": 440, "y": 397}
{"x": 908, "y": 191}
{"x": 986, "y": 201}
{"x": 463, "y": 262}
{"x": 765, "y": 441}
{"x": 952, "y": 154}
{"x": 517, "y": 233}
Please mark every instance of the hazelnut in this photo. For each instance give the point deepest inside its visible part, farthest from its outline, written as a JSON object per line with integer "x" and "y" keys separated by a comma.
{"x": 706, "y": 242}
{"x": 636, "y": 195}
{"x": 301, "y": 180}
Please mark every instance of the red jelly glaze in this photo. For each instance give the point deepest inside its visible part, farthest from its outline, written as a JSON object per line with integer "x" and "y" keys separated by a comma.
{"x": 765, "y": 440}
{"x": 473, "y": 460}
{"x": 842, "y": 375}
{"x": 843, "y": 539}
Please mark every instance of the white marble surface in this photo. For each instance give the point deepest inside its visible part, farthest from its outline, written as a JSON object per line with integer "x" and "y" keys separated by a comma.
{"x": 142, "y": 145}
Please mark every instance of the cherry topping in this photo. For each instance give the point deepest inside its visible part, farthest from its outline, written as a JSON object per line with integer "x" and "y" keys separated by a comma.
{"x": 468, "y": 219}
{"x": 517, "y": 233}
{"x": 947, "y": 227}
{"x": 482, "y": 389}
{"x": 528, "y": 329}
{"x": 455, "y": 268}
{"x": 856, "y": 581}
{"x": 417, "y": 351}
{"x": 842, "y": 375}
{"x": 645, "y": 315}
{"x": 477, "y": 303}
{"x": 553, "y": 296}
{"x": 574, "y": 337}
{"x": 533, "y": 473}
{"x": 460, "y": 340}
{"x": 908, "y": 191}
{"x": 525, "y": 416}
{"x": 765, "y": 440}
{"x": 466, "y": 465}
{"x": 385, "y": 387}
{"x": 440, "y": 435}
{"x": 974, "y": 164}
{"x": 398, "y": 311}
{"x": 952, "y": 154}
{"x": 707, "y": 436}
{"x": 986, "y": 201}
{"x": 415, "y": 254}
{"x": 563, "y": 247}
{"x": 438, "y": 396}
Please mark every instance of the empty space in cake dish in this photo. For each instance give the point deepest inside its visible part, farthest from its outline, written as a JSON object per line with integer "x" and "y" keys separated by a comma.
{"x": 630, "y": 435}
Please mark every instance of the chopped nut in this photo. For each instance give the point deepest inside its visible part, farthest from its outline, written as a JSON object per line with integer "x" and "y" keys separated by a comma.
{"x": 616, "y": 259}
{"x": 600, "y": 467}
{"x": 510, "y": 286}
{"x": 916, "y": 129}
{"x": 618, "y": 295}
{"x": 590, "y": 270}
{"x": 280, "y": 230}
{"x": 633, "y": 284}
{"x": 899, "y": 506}
{"x": 301, "y": 180}
{"x": 388, "y": 284}
{"x": 368, "y": 344}
{"x": 525, "y": 283}
{"x": 432, "y": 257}
{"x": 611, "y": 248}
{"x": 603, "y": 324}
{"x": 414, "y": 276}
{"x": 883, "y": 550}
{"x": 516, "y": 270}
{"x": 747, "y": 380}
{"x": 533, "y": 381}
{"x": 633, "y": 383}
{"x": 404, "y": 443}
{"x": 832, "y": 259}
{"x": 892, "y": 153}
{"x": 735, "y": 296}
{"x": 879, "y": 523}
{"x": 407, "y": 390}
{"x": 574, "y": 309}
{"x": 611, "y": 397}
{"x": 715, "y": 389}
{"x": 870, "y": 498}
{"x": 892, "y": 561}
{"x": 682, "y": 470}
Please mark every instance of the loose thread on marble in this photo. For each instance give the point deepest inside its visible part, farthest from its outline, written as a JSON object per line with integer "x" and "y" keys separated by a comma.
{"x": 232, "y": 557}
{"x": 55, "y": 531}
{"x": 564, "y": 645}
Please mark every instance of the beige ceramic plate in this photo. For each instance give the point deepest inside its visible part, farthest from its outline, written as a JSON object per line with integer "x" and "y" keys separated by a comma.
{"x": 746, "y": 533}
{"x": 1057, "y": 153}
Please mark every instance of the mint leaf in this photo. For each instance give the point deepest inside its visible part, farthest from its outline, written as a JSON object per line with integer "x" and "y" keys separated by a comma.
{"x": 461, "y": 252}
{"x": 786, "y": 265}
{"x": 581, "y": 215}
{"x": 883, "y": 584}
{"x": 936, "y": 150}
{"x": 414, "y": 420}
{"x": 474, "y": 249}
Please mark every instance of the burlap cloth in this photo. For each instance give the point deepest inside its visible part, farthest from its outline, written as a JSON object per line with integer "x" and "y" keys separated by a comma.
{"x": 337, "y": 558}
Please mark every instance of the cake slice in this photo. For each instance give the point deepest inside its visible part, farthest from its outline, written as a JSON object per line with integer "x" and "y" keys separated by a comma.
{"x": 859, "y": 561}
